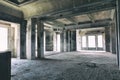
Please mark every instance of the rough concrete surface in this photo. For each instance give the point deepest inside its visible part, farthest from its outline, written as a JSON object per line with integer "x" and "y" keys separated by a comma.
{"x": 68, "y": 66}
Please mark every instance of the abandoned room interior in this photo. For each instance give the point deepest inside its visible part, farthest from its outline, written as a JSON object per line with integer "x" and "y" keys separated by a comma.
{"x": 59, "y": 39}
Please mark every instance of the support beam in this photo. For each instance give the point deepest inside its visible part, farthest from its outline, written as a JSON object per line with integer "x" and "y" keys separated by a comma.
{"x": 23, "y": 40}
{"x": 102, "y": 23}
{"x": 91, "y": 17}
{"x": 49, "y": 25}
{"x": 68, "y": 40}
{"x": 63, "y": 41}
{"x": 118, "y": 31}
{"x": 31, "y": 39}
{"x": 107, "y": 39}
{"x": 33, "y": 36}
{"x": 83, "y": 9}
{"x": 40, "y": 38}
{"x": 73, "y": 41}
{"x": 113, "y": 39}
{"x": 54, "y": 41}
{"x": 72, "y": 20}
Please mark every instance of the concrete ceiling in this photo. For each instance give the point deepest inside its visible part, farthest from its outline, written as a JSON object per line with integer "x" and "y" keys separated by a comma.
{"x": 41, "y": 7}
{"x": 36, "y": 8}
{"x": 91, "y": 17}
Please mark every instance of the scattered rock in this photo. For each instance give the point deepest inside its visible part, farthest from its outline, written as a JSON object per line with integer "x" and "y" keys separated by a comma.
{"x": 92, "y": 65}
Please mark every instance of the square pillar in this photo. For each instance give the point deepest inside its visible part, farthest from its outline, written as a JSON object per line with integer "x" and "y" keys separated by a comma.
{"x": 73, "y": 41}
{"x": 78, "y": 41}
{"x": 31, "y": 38}
{"x": 107, "y": 39}
{"x": 118, "y": 31}
{"x": 63, "y": 41}
{"x": 113, "y": 39}
{"x": 22, "y": 54}
{"x": 54, "y": 41}
{"x": 68, "y": 40}
{"x": 58, "y": 42}
{"x": 40, "y": 39}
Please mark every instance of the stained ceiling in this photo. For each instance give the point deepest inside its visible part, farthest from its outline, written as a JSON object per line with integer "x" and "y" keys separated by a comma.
{"x": 63, "y": 12}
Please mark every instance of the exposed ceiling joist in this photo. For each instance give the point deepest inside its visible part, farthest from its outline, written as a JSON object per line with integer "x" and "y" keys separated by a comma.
{"x": 112, "y": 14}
{"x": 72, "y": 20}
{"x": 91, "y": 17}
{"x": 88, "y": 8}
{"x": 52, "y": 26}
{"x": 101, "y": 23}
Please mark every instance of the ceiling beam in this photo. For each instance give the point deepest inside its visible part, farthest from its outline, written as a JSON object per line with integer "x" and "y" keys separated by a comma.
{"x": 102, "y": 23}
{"x": 84, "y": 9}
{"x": 52, "y": 25}
{"x": 91, "y": 17}
{"x": 55, "y": 23}
{"x": 72, "y": 20}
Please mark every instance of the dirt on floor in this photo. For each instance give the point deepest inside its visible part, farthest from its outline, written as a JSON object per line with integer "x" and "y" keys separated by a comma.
{"x": 68, "y": 66}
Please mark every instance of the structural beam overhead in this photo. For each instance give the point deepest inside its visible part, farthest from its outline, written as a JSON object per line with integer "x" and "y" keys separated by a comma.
{"x": 102, "y": 23}
{"x": 84, "y": 9}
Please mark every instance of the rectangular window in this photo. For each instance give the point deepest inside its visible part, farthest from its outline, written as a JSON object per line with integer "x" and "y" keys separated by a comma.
{"x": 84, "y": 42}
{"x": 3, "y": 39}
{"x": 91, "y": 41}
{"x": 100, "y": 42}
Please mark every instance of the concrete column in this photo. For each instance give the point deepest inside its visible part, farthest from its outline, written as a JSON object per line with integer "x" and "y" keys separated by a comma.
{"x": 103, "y": 41}
{"x": 113, "y": 39}
{"x": 54, "y": 41}
{"x": 31, "y": 39}
{"x": 44, "y": 41}
{"x": 68, "y": 40}
{"x": 118, "y": 31}
{"x": 63, "y": 41}
{"x": 58, "y": 42}
{"x": 87, "y": 48}
{"x": 107, "y": 38}
{"x": 73, "y": 41}
{"x": 22, "y": 54}
{"x": 65, "y": 46}
{"x": 96, "y": 42}
{"x": 40, "y": 38}
{"x": 78, "y": 40}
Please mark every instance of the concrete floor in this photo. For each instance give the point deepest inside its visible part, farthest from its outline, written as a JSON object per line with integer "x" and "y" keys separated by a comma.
{"x": 68, "y": 66}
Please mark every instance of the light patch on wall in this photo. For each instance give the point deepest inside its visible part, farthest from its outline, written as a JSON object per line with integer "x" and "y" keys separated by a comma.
{"x": 3, "y": 39}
